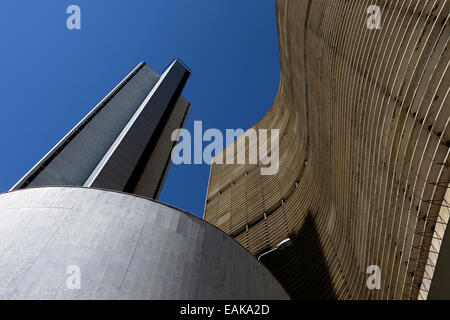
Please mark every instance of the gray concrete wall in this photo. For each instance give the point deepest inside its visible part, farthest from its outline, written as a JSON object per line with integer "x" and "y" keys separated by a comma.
{"x": 126, "y": 247}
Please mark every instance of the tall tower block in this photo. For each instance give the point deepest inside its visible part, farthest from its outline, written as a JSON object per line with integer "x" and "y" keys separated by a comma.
{"x": 124, "y": 143}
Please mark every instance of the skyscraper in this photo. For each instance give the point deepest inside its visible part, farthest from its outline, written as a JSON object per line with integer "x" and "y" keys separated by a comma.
{"x": 363, "y": 185}
{"x": 82, "y": 224}
{"x": 124, "y": 143}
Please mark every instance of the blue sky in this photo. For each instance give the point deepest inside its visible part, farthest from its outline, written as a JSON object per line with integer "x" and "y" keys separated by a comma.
{"x": 50, "y": 77}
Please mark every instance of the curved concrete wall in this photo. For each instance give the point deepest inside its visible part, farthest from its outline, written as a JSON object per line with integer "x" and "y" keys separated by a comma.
{"x": 126, "y": 248}
{"x": 363, "y": 117}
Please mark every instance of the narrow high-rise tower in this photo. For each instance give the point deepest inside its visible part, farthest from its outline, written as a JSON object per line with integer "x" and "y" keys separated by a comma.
{"x": 124, "y": 143}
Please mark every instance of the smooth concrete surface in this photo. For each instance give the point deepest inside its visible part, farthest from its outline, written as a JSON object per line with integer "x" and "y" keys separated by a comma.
{"x": 126, "y": 247}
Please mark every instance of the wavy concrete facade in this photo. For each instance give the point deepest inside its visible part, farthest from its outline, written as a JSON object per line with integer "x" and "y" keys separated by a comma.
{"x": 363, "y": 117}
{"x": 125, "y": 246}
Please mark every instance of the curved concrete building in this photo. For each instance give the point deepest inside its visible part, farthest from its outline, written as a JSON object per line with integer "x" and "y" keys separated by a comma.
{"x": 364, "y": 144}
{"x": 122, "y": 246}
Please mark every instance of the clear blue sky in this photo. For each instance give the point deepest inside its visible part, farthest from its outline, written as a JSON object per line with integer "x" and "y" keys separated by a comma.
{"x": 51, "y": 77}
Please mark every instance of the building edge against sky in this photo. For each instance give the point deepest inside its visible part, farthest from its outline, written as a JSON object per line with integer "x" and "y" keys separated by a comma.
{"x": 124, "y": 142}
{"x": 364, "y": 173}
{"x": 87, "y": 206}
